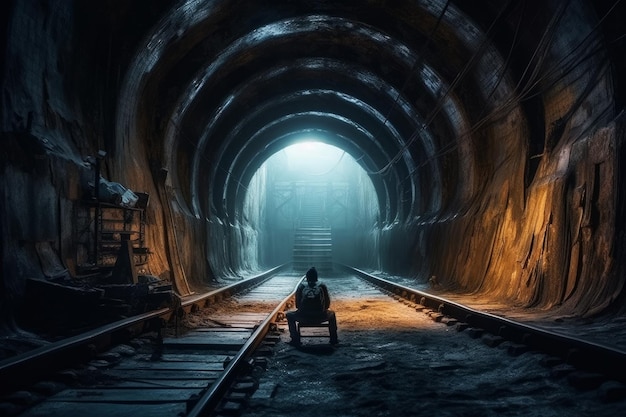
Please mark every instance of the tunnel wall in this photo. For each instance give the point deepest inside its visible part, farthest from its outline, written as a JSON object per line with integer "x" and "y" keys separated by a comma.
{"x": 554, "y": 250}
{"x": 543, "y": 237}
{"x": 43, "y": 139}
{"x": 41, "y": 163}
{"x": 58, "y": 113}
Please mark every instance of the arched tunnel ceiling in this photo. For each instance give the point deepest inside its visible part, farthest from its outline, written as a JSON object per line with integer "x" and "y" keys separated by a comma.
{"x": 399, "y": 85}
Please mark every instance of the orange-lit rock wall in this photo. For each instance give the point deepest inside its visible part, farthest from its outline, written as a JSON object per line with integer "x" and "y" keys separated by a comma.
{"x": 552, "y": 241}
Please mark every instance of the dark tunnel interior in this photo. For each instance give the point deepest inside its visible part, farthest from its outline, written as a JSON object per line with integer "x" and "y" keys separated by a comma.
{"x": 477, "y": 141}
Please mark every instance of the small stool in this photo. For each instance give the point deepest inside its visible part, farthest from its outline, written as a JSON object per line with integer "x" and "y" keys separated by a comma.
{"x": 301, "y": 325}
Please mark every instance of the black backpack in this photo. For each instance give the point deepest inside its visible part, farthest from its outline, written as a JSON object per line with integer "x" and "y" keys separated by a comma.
{"x": 312, "y": 300}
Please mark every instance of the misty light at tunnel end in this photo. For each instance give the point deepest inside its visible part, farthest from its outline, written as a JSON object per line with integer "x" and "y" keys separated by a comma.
{"x": 312, "y": 156}
{"x": 310, "y": 183}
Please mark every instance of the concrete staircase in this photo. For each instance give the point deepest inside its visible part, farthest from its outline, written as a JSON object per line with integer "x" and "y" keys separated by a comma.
{"x": 313, "y": 244}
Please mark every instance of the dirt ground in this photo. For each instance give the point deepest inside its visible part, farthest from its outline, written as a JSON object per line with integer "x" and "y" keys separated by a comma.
{"x": 392, "y": 361}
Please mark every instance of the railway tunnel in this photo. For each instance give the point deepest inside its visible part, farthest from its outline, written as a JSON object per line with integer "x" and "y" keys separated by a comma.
{"x": 483, "y": 142}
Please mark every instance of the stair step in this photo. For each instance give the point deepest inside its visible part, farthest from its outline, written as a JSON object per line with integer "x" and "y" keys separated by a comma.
{"x": 316, "y": 252}
{"x": 313, "y": 234}
{"x": 313, "y": 240}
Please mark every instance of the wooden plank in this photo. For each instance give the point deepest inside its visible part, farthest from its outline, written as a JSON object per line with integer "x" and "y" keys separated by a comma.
{"x": 200, "y": 350}
{"x": 205, "y": 340}
{"x": 200, "y": 357}
{"x": 236, "y": 322}
{"x": 240, "y": 317}
{"x": 219, "y": 329}
{"x": 203, "y": 343}
{"x": 66, "y": 409}
{"x": 211, "y": 334}
{"x": 228, "y": 326}
{"x": 168, "y": 356}
{"x": 170, "y": 366}
{"x": 207, "y": 337}
{"x": 245, "y": 325}
{"x": 125, "y": 396}
{"x": 146, "y": 374}
{"x": 314, "y": 332}
{"x": 166, "y": 383}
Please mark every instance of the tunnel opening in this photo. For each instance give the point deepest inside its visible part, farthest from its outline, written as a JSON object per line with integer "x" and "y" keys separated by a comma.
{"x": 495, "y": 151}
{"x": 312, "y": 204}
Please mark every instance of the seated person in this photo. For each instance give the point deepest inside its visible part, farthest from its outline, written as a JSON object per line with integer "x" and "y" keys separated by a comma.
{"x": 312, "y": 302}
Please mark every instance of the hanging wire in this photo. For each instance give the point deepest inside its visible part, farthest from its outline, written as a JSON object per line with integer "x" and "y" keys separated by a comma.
{"x": 563, "y": 67}
{"x": 415, "y": 135}
{"x": 570, "y": 61}
{"x": 417, "y": 61}
{"x": 413, "y": 68}
{"x": 539, "y": 55}
{"x": 440, "y": 101}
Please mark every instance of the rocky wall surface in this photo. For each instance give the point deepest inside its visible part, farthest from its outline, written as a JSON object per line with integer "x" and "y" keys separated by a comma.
{"x": 56, "y": 110}
{"x": 40, "y": 153}
{"x": 558, "y": 249}
{"x": 542, "y": 229}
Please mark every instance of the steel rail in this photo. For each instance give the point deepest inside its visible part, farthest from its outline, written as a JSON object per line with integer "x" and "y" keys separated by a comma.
{"x": 211, "y": 398}
{"x": 582, "y": 354}
{"x": 28, "y": 367}
{"x": 191, "y": 302}
{"x": 20, "y": 370}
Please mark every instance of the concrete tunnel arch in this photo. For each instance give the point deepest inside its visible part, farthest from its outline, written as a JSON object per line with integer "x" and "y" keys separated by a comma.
{"x": 173, "y": 144}
{"x": 416, "y": 188}
{"x": 481, "y": 129}
{"x": 315, "y": 73}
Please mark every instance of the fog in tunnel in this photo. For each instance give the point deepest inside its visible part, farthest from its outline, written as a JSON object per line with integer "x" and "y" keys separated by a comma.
{"x": 479, "y": 141}
{"x": 311, "y": 204}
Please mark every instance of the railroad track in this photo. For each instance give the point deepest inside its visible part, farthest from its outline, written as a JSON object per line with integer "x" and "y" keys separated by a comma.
{"x": 599, "y": 361}
{"x": 143, "y": 364}
{"x": 195, "y": 372}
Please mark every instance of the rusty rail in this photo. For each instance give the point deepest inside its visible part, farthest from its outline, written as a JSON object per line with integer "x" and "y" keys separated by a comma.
{"x": 582, "y": 354}
{"x": 31, "y": 366}
{"x": 214, "y": 394}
